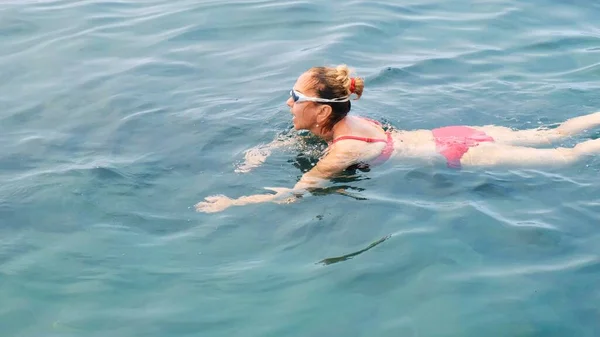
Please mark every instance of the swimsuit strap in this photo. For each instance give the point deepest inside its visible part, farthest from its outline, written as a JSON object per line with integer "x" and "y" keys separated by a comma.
{"x": 387, "y": 150}
{"x": 364, "y": 139}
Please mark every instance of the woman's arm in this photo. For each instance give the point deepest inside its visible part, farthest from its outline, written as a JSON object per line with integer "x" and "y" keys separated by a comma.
{"x": 335, "y": 162}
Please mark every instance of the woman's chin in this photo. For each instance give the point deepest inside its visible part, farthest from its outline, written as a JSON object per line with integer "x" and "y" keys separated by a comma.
{"x": 296, "y": 126}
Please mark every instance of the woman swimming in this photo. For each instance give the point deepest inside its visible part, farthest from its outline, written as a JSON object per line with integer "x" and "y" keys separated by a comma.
{"x": 320, "y": 102}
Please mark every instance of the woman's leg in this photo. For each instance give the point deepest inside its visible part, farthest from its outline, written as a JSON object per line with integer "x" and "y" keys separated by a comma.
{"x": 532, "y": 137}
{"x": 494, "y": 154}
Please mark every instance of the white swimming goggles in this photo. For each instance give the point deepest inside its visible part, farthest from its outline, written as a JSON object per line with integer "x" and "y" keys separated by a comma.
{"x": 298, "y": 97}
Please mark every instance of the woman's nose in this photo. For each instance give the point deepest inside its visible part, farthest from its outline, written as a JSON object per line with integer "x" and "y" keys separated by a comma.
{"x": 290, "y": 102}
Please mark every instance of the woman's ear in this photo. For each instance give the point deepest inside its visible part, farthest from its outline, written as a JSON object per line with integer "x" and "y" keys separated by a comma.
{"x": 324, "y": 113}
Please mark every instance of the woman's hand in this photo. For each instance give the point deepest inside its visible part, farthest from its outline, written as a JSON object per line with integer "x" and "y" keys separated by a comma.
{"x": 256, "y": 156}
{"x": 215, "y": 203}
{"x": 253, "y": 158}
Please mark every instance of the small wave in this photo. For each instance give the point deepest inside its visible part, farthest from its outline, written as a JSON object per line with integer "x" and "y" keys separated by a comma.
{"x": 102, "y": 167}
{"x": 574, "y": 263}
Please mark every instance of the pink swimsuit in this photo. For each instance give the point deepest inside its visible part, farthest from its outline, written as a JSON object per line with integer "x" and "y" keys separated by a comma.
{"x": 453, "y": 142}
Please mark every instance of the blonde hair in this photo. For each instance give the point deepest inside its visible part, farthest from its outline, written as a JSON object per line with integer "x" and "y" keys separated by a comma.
{"x": 336, "y": 82}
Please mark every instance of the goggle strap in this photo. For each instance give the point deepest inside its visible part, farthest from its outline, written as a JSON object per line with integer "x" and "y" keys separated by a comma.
{"x": 297, "y": 96}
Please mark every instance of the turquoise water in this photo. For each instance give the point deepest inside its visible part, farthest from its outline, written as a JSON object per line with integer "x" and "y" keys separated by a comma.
{"x": 118, "y": 116}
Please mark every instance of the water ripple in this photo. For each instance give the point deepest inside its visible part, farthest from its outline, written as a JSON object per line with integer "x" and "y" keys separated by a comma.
{"x": 556, "y": 267}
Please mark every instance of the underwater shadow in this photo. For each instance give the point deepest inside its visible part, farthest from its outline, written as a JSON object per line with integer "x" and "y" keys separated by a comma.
{"x": 337, "y": 259}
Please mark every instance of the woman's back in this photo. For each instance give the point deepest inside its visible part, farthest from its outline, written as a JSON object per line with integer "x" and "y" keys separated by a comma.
{"x": 364, "y": 138}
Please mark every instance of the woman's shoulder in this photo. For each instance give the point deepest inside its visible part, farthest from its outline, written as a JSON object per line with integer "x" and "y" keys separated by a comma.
{"x": 361, "y": 126}
{"x": 358, "y": 132}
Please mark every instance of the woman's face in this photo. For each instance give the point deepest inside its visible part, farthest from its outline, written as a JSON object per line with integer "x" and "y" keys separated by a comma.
{"x": 304, "y": 113}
